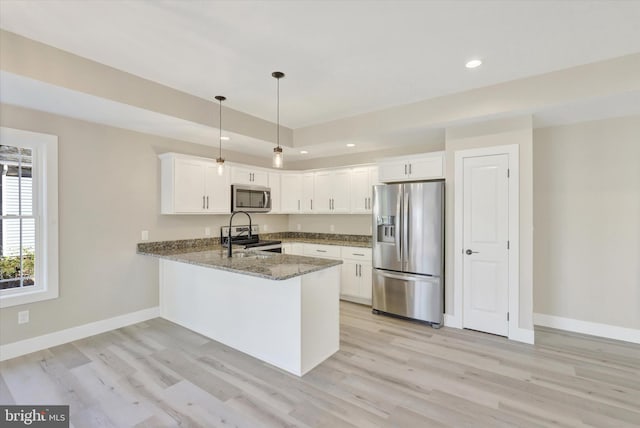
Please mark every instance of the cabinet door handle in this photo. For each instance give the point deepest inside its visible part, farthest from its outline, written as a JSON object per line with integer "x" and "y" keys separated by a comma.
{"x": 207, "y": 202}
{"x": 311, "y": 200}
{"x": 357, "y": 254}
{"x": 298, "y": 204}
{"x": 405, "y": 169}
{"x": 321, "y": 251}
{"x": 203, "y": 202}
{"x": 409, "y": 169}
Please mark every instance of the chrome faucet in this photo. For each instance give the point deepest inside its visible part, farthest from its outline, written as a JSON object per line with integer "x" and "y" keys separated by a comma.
{"x": 229, "y": 243}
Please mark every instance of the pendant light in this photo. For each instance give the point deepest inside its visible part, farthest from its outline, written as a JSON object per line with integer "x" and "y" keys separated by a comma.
{"x": 220, "y": 159}
{"x": 278, "y": 159}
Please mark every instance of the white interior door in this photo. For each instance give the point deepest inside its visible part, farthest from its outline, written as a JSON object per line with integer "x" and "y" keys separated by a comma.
{"x": 485, "y": 240}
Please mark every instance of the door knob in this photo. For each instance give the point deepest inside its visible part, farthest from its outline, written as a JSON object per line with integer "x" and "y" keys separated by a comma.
{"x": 469, "y": 252}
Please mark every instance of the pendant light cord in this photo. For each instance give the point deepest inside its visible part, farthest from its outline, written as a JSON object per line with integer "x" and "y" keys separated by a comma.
{"x": 220, "y": 136}
{"x": 278, "y": 114}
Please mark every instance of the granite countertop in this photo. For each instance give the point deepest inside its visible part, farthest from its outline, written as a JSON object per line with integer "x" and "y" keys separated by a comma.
{"x": 263, "y": 264}
{"x": 360, "y": 244}
{"x": 362, "y": 241}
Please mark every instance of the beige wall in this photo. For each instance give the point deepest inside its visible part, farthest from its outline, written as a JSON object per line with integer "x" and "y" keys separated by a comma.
{"x": 496, "y": 133}
{"x": 587, "y": 221}
{"x": 108, "y": 194}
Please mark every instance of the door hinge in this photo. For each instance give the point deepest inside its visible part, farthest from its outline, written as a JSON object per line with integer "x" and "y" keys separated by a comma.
{"x": 507, "y": 316}
{"x": 508, "y": 245}
{"x": 508, "y": 173}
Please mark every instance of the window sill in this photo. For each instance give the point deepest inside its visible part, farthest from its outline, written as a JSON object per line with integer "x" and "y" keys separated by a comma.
{"x": 8, "y": 300}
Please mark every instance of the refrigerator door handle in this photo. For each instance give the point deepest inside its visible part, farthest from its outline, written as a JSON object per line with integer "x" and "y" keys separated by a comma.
{"x": 405, "y": 227}
{"x": 400, "y": 277}
{"x": 398, "y": 228}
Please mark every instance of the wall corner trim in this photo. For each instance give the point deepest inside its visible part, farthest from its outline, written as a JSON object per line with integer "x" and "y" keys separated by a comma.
{"x": 23, "y": 347}
{"x": 587, "y": 327}
{"x": 522, "y": 335}
{"x": 452, "y": 321}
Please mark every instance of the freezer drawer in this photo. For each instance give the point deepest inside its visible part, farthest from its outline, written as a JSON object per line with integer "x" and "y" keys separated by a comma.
{"x": 412, "y": 296}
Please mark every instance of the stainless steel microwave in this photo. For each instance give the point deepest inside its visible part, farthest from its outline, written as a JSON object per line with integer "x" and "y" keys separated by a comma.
{"x": 255, "y": 199}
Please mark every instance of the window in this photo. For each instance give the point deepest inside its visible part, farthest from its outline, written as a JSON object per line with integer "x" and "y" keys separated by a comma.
{"x": 28, "y": 217}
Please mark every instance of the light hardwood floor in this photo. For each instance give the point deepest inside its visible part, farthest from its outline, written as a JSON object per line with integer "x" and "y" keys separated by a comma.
{"x": 388, "y": 373}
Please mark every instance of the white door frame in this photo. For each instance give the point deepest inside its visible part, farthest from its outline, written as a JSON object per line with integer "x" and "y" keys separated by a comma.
{"x": 514, "y": 233}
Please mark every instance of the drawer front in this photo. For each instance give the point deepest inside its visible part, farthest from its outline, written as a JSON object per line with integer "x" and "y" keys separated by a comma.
{"x": 327, "y": 251}
{"x": 413, "y": 296}
{"x": 355, "y": 253}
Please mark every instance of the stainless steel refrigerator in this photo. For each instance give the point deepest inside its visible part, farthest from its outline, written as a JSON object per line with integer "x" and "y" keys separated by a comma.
{"x": 408, "y": 250}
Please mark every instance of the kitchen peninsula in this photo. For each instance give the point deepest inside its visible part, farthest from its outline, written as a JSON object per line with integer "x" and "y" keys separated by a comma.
{"x": 279, "y": 308}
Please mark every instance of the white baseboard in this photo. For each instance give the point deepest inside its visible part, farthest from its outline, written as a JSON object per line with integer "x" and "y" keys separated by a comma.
{"x": 586, "y": 327}
{"x": 452, "y": 321}
{"x": 521, "y": 335}
{"x": 23, "y": 347}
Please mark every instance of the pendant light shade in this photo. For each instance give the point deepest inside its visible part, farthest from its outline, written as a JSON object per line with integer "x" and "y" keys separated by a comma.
{"x": 220, "y": 159}
{"x": 278, "y": 159}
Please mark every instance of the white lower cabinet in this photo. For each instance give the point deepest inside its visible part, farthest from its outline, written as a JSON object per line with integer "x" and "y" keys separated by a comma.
{"x": 356, "y": 270}
{"x": 324, "y": 251}
{"x": 293, "y": 248}
{"x": 356, "y": 277}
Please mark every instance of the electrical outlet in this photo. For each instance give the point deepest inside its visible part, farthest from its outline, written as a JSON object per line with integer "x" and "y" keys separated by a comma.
{"x": 23, "y": 317}
{"x": 265, "y": 227}
{"x": 298, "y": 226}
{"x": 144, "y": 235}
{"x": 207, "y": 231}
{"x": 332, "y": 228}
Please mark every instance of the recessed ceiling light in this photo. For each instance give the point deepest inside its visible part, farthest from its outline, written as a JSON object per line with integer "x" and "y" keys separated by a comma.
{"x": 303, "y": 152}
{"x": 473, "y": 63}
{"x": 351, "y": 145}
{"x": 225, "y": 138}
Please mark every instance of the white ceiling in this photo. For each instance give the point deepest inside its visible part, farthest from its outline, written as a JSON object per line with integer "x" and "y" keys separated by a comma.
{"x": 341, "y": 58}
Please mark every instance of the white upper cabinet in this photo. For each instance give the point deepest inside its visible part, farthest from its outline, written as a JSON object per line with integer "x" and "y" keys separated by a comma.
{"x": 411, "y": 168}
{"x": 217, "y": 190}
{"x": 362, "y": 181}
{"x": 290, "y": 193}
{"x": 248, "y": 175}
{"x": 275, "y": 186}
{"x": 331, "y": 191}
{"x": 191, "y": 185}
{"x": 307, "y": 202}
